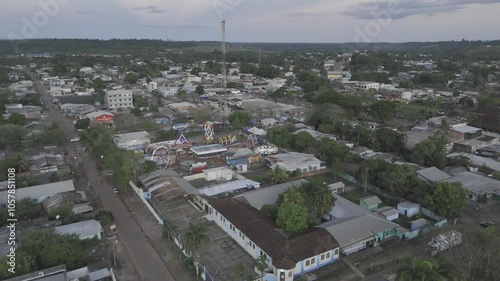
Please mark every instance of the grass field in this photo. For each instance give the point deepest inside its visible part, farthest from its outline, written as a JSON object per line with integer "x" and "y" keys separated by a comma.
{"x": 414, "y": 111}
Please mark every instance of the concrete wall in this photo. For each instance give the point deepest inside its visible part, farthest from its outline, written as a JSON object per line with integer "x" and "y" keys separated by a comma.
{"x": 140, "y": 193}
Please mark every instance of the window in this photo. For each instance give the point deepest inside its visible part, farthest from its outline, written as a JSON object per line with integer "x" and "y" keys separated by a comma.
{"x": 328, "y": 255}
{"x": 290, "y": 273}
{"x": 310, "y": 261}
{"x": 337, "y": 252}
{"x": 232, "y": 227}
{"x": 307, "y": 263}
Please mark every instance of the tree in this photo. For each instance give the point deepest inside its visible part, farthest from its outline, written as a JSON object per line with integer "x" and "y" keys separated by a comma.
{"x": 270, "y": 211}
{"x": 17, "y": 119}
{"x": 389, "y": 140}
{"x": 448, "y": 199}
{"x": 200, "y": 90}
{"x": 82, "y": 124}
{"x": 397, "y": 179}
{"x": 319, "y": 201}
{"x": 169, "y": 230}
{"x": 424, "y": 270}
{"x": 280, "y": 136}
{"x": 48, "y": 249}
{"x": 105, "y": 217}
{"x": 131, "y": 78}
{"x": 292, "y": 195}
{"x": 431, "y": 152}
{"x": 27, "y": 209}
{"x": 24, "y": 265}
{"x": 303, "y": 141}
{"x": 4, "y": 76}
{"x": 63, "y": 211}
{"x": 278, "y": 175}
{"x": 239, "y": 119}
{"x": 383, "y": 110}
{"x": 241, "y": 271}
{"x": 12, "y": 136}
{"x": 195, "y": 236}
{"x": 292, "y": 218}
{"x": 262, "y": 265}
{"x": 332, "y": 152}
{"x": 148, "y": 167}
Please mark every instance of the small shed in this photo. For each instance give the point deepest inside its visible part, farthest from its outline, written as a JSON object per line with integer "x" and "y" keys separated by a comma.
{"x": 419, "y": 223}
{"x": 370, "y": 203}
{"x": 337, "y": 188}
{"x": 408, "y": 209}
{"x": 389, "y": 213}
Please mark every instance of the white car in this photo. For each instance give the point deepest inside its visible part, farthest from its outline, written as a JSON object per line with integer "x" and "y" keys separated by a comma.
{"x": 115, "y": 190}
{"x": 75, "y": 140}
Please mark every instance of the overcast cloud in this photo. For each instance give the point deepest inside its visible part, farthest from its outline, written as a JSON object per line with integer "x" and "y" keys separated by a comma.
{"x": 258, "y": 20}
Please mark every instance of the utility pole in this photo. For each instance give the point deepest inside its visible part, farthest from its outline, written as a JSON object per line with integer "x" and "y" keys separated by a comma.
{"x": 224, "y": 70}
{"x": 112, "y": 228}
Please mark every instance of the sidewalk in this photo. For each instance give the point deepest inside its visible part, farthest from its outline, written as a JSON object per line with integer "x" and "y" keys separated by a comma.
{"x": 168, "y": 251}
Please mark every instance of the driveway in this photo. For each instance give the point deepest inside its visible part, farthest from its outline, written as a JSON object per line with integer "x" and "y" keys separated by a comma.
{"x": 147, "y": 262}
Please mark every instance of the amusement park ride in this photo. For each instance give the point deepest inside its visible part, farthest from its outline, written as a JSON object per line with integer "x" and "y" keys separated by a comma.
{"x": 164, "y": 154}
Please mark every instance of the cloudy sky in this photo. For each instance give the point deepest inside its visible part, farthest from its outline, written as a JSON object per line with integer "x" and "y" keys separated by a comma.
{"x": 253, "y": 20}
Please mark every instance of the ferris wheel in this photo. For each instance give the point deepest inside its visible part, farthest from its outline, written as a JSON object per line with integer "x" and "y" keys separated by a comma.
{"x": 161, "y": 156}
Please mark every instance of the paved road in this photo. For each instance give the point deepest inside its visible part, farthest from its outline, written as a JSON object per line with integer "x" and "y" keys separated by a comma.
{"x": 147, "y": 262}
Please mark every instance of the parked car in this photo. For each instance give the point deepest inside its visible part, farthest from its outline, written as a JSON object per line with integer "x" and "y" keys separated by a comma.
{"x": 75, "y": 140}
{"x": 110, "y": 174}
{"x": 115, "y": 190}
{"x": 486, "y": 224}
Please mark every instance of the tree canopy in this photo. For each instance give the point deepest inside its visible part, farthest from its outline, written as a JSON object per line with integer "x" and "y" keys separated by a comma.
{"x": 292, "y": 218}
{"x": 448, "y": 199}
{"x": 239, "y": 119}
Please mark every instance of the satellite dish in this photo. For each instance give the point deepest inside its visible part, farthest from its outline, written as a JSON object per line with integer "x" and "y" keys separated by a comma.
{"x": 58, "y": 217}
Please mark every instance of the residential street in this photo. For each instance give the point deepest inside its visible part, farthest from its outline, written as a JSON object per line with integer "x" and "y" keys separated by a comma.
{"x": 147, "y": 262}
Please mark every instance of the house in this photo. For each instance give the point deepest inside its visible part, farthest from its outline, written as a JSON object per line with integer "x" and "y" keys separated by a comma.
{"x": 388, "y": 213}
{"x": 182, "y": 107}
{"x": 153, "y": 86}
{"x": 408, "y": 209}
{"x": 287, "y": 256}
{"x": 465, "y": 132}
{"x": 229, "y": 187}
{"x": 267, "y": 122}
{"x": 418, "y": 224}
{"x": 39, "y": 192}
{"x": 293, "y": 161}
{"x": 356, "y": 228}
{"x": 370, "y": 202}
{"x": 432, "y": 175}
{"x": 367, "y": 86}
{"x": 117, "y": 99}
{"x": 52, "y": 203}
{"x": 56, "y": 273}
{"x": 84, "y": 229}
{"x": 132, "y": 140}
{"x": 47, "y": 163}
{"x": 337, "y": 188}
{"x": 477, "y": 185}
{"x": 243, "y": 156}
{"x": 100, "y": 117}
{"x": 267, "y": 196}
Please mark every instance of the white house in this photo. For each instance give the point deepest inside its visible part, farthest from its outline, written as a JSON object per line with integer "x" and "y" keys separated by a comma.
{"x": 408, "y": 209}
{"x": 266, "y": 122}
{"x": 39, "y": 192}
{"x": 152, "y": 86}
{"x": 287, "y": 256}
{"x": 293, "y": 161}
{"x": 132, "y": 140}
{"x": 367, "y": 85}
{"x": 84, "y": 229}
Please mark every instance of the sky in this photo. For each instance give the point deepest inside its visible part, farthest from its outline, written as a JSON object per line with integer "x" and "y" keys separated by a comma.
{"x": 314, "y": 21}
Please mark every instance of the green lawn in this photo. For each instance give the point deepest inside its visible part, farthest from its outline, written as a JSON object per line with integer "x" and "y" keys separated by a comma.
{"x": 327, "y": 178}
{"x": 414, "y": 111}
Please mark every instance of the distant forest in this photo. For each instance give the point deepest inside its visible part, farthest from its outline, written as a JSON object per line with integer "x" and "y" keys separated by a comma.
{"x": 477, "y": 49}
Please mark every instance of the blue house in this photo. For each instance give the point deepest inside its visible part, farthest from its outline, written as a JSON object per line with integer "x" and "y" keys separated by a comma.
{"x": 242, "y": 156}
{"x": 287, "y": 256}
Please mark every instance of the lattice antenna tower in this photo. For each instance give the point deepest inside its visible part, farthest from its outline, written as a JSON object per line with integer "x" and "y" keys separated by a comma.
{"x": 224, "y": 70}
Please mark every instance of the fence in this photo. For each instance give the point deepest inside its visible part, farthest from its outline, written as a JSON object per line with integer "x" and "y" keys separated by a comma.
{"x": 372, "y": 188}
{"x": 140, "y": 193}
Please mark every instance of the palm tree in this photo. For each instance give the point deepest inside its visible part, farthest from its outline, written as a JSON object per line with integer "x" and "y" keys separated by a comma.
{"x": 169, "y": 230}
{"x": 278, "y": 175}
{"x": 262, "y": 265}
{"x": 424, "y": 270}
{"x": 195, "y": 236}
{"x": 241, "y": 271}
